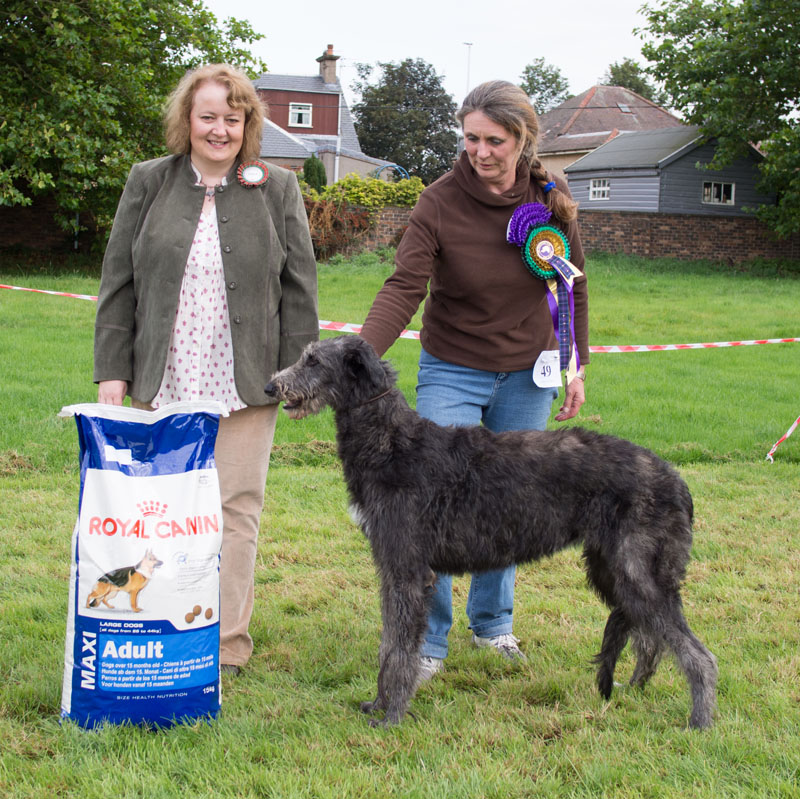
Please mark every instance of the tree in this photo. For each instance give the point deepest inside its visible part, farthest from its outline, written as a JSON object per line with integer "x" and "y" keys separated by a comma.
{"x": 631, "y": 75}
{"x": 544, "y": 84}
{"x": 314, "y": 173}
{"x": 733, "y": 68}
{"x": 82, "y": 86}
{"x": 407, "y": 117}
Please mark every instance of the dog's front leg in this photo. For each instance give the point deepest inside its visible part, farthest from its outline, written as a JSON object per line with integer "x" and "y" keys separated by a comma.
{"x": 379, "y": 703}
{"x": 404, "y": 611}
{"x": 134, "y": 595}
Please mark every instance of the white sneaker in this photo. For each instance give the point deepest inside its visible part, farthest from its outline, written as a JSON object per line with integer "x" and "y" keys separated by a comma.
{"x": 506, "y": 644}
{"x": 427, "y": 668}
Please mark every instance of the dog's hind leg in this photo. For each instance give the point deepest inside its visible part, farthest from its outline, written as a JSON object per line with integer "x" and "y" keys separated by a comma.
{"x": 698, "y": 664}
{"x": 649, "y": 649}
{"x": 614, "y": 639}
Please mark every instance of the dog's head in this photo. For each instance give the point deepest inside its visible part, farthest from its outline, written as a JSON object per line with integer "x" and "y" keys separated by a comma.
{"x": 150, "y": 561}
{"x": 339, "y": 372}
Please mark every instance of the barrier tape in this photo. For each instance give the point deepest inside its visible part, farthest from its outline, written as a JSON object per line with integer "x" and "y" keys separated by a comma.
{"x": 54, "y": 293}
{"x": 782, "y": 439}
{"x": 346, "y": 327}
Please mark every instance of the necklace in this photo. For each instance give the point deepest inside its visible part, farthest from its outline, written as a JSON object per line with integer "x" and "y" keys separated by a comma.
{"x": 210, "y": 191}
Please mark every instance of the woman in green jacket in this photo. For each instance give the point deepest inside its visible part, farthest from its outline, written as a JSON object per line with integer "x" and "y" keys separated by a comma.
{"x": 208, "y": 287}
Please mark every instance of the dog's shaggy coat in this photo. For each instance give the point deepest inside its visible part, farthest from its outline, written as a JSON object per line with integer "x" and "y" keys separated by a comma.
{"x": 463, "y": 499}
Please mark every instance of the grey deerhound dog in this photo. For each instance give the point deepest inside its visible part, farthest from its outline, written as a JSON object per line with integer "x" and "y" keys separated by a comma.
{"x": 463, "y": 499}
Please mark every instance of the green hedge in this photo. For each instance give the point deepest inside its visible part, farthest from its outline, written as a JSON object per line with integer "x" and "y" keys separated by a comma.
{"x": 369, "y": 192}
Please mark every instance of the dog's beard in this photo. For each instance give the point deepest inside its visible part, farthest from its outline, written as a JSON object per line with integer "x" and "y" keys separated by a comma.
{"x": 300, "y": 407}
{"x": 297, "y": 411}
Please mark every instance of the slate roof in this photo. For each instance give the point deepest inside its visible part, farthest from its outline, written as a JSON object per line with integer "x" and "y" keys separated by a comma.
{"x": 279, "y": 143}
{"x": 597, "y": 116}
{"x": 296, "y": 83}
{"x": 313, "y": 83}
{"x": 643, "y": 149}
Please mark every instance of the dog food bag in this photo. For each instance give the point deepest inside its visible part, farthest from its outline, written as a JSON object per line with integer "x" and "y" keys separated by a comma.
{"x": 143, "y": 623}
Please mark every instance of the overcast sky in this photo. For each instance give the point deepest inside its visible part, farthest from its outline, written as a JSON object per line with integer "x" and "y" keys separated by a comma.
{"x": 580, "y": 37}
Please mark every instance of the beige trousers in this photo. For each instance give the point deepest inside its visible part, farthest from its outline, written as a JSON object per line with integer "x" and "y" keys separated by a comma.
{"x": 242, "y": 453}
{"x": 244, "y": 442}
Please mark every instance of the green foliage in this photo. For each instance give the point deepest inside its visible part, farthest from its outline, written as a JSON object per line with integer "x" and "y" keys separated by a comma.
{"x": 314, "y": 173}
{"x": 544, "y": 84}
{"x": 373, "y": 193}
{"x": 407, "y": 118}
{"x": 631, "y": 75}
{"x": 340, "y": 215}
{"x": 82, "y": 85}
{"x": 733, "y": 67}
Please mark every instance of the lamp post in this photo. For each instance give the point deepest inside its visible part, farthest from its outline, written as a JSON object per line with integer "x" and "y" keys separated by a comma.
{"x": 469, "y": 53}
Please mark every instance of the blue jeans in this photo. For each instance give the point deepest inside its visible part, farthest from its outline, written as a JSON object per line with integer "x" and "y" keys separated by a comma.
{"x": 457, "y": 395}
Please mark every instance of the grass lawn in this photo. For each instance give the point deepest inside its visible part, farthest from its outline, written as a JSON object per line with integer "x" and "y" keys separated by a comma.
{"x": 290, "y": 726}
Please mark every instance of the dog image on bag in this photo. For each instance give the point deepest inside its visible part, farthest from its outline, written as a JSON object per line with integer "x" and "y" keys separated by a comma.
{"x": 131, "y": 579}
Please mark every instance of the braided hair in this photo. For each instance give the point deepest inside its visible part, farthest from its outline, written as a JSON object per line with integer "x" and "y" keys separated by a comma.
{"x": 508, "y": 106}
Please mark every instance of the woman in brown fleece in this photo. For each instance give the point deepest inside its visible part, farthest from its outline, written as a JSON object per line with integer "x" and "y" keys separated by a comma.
{"x": 487, "y": 327}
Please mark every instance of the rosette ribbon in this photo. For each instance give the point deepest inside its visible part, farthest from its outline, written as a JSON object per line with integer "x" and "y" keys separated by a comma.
{"x": 545, "y": 253}
{"x": 252, "y": 174}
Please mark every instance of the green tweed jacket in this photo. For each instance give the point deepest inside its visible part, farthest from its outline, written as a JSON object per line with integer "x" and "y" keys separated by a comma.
{"x": 268, "y": 261}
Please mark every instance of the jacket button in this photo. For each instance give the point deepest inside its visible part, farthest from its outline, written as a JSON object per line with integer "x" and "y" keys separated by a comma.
{"x": 223, "y": 219}
{"x": 220, "y": 188}
{"x": 237, "y": 319}
{"x": 232, "y": 285}
{"x": 226, "y": 248}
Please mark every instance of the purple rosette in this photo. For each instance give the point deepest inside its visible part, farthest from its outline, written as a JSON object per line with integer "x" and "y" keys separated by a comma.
{"x": 523, "y": 219}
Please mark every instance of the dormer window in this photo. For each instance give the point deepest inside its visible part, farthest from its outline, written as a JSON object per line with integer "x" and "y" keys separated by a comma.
{"x": 300, "y": 115}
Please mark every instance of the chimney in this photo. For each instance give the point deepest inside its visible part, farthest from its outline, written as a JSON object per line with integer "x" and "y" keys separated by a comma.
{"x": 327, "y": 65}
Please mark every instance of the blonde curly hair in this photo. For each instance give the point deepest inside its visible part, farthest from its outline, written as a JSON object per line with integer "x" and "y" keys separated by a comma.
{"x": 241, "y": 96}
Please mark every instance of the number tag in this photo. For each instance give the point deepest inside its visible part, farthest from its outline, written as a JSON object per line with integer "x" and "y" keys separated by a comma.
{"x": 547, "y": 372}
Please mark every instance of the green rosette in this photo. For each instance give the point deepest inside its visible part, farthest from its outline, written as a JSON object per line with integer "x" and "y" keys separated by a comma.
{"x": 540, "y": 245}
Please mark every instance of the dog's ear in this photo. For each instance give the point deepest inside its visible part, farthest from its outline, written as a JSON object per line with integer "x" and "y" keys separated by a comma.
{"x": 361, "y": 363}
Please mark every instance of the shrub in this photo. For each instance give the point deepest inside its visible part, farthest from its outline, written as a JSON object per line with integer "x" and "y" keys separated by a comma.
{"x": 373, "y": 193}
{"x": 334, "y": 226}
{"x": 314, "y": 173}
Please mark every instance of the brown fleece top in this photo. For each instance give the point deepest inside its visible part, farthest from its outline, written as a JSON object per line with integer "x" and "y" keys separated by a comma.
{"x": 484, "y": 309}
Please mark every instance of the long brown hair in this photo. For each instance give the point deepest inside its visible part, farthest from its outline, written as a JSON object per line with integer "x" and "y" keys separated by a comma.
{"x": 509, "y": 106}
{"x": 241, "y": 96}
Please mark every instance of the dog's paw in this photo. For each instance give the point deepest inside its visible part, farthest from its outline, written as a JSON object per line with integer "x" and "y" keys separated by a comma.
{"x": 368, "y": 707}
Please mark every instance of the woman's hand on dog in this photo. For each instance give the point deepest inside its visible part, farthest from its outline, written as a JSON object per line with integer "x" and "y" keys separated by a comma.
{"x": 111, "y": 392}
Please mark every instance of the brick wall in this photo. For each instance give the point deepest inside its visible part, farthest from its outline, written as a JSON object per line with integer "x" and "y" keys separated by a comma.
{"x": 655, "y": 235}
{"x": 33, "y": 226}
{"x": 388, "y": 229}
{"x": 685, "y": 236}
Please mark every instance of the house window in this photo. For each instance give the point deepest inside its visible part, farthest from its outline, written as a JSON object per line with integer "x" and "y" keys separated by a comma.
{"x": 300, "y": 115}
{"x": 718, "y": 193}
{"x": 599, "y": 188}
